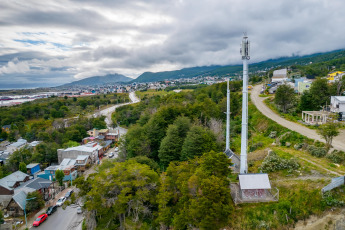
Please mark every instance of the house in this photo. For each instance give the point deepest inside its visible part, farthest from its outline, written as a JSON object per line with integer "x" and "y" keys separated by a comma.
{"x": 93, "y": 132}
{"x": 253, "y": 188}
{"x": 279, "y": 75}
{"x": 82, "y": 161}
{"x": 114, "y": 137}
{"x": 3, "y": 145}
{"x": 70, "y": 172}
{"x": 8, "y": 184}
{"x": 16, "y": 145}
{"x": 33, "y": 168}
{"x": 331, "y": 77}
{"x": 303, "y": 86}
{"x": 6, "y": 128}
{"x": 92, "y": 149}
{"x": 337, "y": 104}
{"x": 16, "y": 205}
{"x": 103, "y": 132}
{"x": 34, "y": 144}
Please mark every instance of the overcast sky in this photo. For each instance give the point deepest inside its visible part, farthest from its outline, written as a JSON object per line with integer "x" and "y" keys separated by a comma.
{"x": 50, "y": 42}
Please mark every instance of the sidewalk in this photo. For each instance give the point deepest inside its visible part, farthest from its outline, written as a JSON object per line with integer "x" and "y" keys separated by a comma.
{"x": 31, "y": 220}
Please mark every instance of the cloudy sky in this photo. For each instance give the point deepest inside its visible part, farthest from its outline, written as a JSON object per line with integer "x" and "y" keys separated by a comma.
{"x": 45, "y": 43}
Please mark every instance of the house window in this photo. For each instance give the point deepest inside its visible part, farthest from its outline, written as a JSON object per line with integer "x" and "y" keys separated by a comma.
{"x": 337, "y": 106}
{"x": 12, "y": 209}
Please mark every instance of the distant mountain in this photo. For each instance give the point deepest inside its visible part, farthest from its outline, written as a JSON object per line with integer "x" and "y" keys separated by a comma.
{"x": 237, "y": 69}
{"x": 175, "y": 74}
{"x": 100, "y": 80}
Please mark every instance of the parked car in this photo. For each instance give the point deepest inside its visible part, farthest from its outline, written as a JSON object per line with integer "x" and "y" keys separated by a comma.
{"x": 60, "y": 201}
{"x": 116, "y": 149}
{"x": 40, "y": 220}
{"x": 69, "y": 193}
{"x": 51, "y": 209}
{"x": 111, "y": 155}
{"x": 79, "y": 210}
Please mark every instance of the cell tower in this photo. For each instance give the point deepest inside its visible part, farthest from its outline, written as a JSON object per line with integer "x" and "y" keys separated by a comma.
{"x": 227, "y": 144}
{"x": 230, "y": 154}
{"x": 244, "y": 133}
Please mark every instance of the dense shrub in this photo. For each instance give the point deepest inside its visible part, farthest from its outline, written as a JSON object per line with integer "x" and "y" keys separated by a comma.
{"x": 317, "y": 151}
{"x": 336, "y": 156}
{"x": 274, "y": 163}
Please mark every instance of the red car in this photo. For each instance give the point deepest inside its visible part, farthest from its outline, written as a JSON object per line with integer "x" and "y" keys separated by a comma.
{"x": 40, "y": 220}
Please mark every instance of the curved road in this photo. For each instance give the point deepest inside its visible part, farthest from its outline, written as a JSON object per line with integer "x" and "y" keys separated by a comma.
{"x": 338, "y": 142}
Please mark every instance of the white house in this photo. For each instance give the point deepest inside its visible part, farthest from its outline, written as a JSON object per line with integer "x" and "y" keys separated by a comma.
{"x": 279, "y": 75}
{"x": 16, "y": 145}
{"x": 338, "y": 104}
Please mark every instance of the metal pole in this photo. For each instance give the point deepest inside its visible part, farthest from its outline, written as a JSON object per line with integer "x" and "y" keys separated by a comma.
{"x": 26, "y": 223}
{"x": 227, "y": 144}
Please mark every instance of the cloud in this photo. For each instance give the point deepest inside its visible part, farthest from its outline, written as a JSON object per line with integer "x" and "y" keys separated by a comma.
{"x": 15, "y": 66}
{"x": 73, "y": 39}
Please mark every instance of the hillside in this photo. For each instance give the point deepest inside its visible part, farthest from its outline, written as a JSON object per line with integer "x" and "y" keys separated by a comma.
{"x": 100, "y": 80}
{"x": 237, "y": 69}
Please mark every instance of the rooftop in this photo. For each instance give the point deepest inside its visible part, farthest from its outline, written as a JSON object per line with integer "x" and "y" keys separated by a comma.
{"x": 254, "y": 181}
{"x": 8, "y": 181}
{"x": 29, "y": 166}
{"x": 340, "y": 98}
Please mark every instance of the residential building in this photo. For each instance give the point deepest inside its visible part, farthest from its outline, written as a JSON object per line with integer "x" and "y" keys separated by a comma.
{"x": 303, "y": 86}
{"x": 93, "y": 132}
{"x": 92, "y": 149}
{"x": 6, "y": 128}
{"x": 16, "y": 145}
{"x": 33, "y": 168}
{"x": 279, "y": 75}
{"x": 16, "y": 205}
{"x": 338, "y": 104}
{"x": 70, "y": 172}
{"x": 8, "y": 184}
{"x": 82, "y": 161}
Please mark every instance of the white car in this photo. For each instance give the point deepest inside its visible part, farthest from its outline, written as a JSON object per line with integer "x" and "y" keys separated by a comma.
{"x": 116, "y": 149}
{"x": 60, "y": 201}
{"x": 79, "y": 210}
{"x": 111, "y": 155}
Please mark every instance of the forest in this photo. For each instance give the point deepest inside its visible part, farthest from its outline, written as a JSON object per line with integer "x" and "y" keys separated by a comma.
{"x": 172, "y": 173}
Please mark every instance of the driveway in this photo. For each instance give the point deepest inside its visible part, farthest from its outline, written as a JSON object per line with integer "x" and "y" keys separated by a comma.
{"x": 338, "y": 142}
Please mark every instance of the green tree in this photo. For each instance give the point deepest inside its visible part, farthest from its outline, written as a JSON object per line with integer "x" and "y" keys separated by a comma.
{"x": 285, "y": 98}
{"x": 328, "y": 131}
{"x": 198, "y": 141}
{"x": 195, "y": 194}
{"x": 70, "y": 144}
{"x": 22, "y": 167}
{"x": 320, "y": 93}
{"x": 34, "y": 204}
{"x": 171, "y": 145}
{"x": 59, "y": 175}
{"x": 123, "y": 195}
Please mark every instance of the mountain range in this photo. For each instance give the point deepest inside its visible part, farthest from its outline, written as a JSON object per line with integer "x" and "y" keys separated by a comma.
{"x": 100, "y": 80}
{"x": 215, "y": 70}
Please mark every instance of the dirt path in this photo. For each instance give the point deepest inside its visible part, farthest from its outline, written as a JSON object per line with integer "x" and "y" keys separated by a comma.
{"x": 338, "y": 142}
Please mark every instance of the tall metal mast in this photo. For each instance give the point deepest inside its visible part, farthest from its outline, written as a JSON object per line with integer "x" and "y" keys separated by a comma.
{"x": 227, "y": 118}
{"x": 244, "y": 133}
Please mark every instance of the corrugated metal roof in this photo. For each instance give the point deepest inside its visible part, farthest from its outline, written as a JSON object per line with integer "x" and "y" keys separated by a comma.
{"x": 20, "y": 199}
{"x": 29, "y": 166}
{"x": 82, "y": 157}
{"x": 254, "y": 181}
{"x": 35, "y": 184}
{"x": 10, "y": 180}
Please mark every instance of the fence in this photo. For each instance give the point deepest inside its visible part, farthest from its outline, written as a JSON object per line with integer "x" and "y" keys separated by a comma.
{"x": 336, "y": 182}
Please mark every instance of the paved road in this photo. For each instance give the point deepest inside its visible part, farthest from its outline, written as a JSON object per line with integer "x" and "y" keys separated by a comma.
{"x": 108, "y": 111}
{"x": 67, "y": 219}
{"x": 338, "y": 142}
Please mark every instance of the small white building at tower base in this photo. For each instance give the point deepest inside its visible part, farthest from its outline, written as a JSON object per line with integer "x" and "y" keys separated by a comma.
{"x": 253, "y": 188}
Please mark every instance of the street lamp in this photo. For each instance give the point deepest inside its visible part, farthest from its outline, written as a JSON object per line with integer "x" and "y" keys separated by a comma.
{"x": 26, "y": 224}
